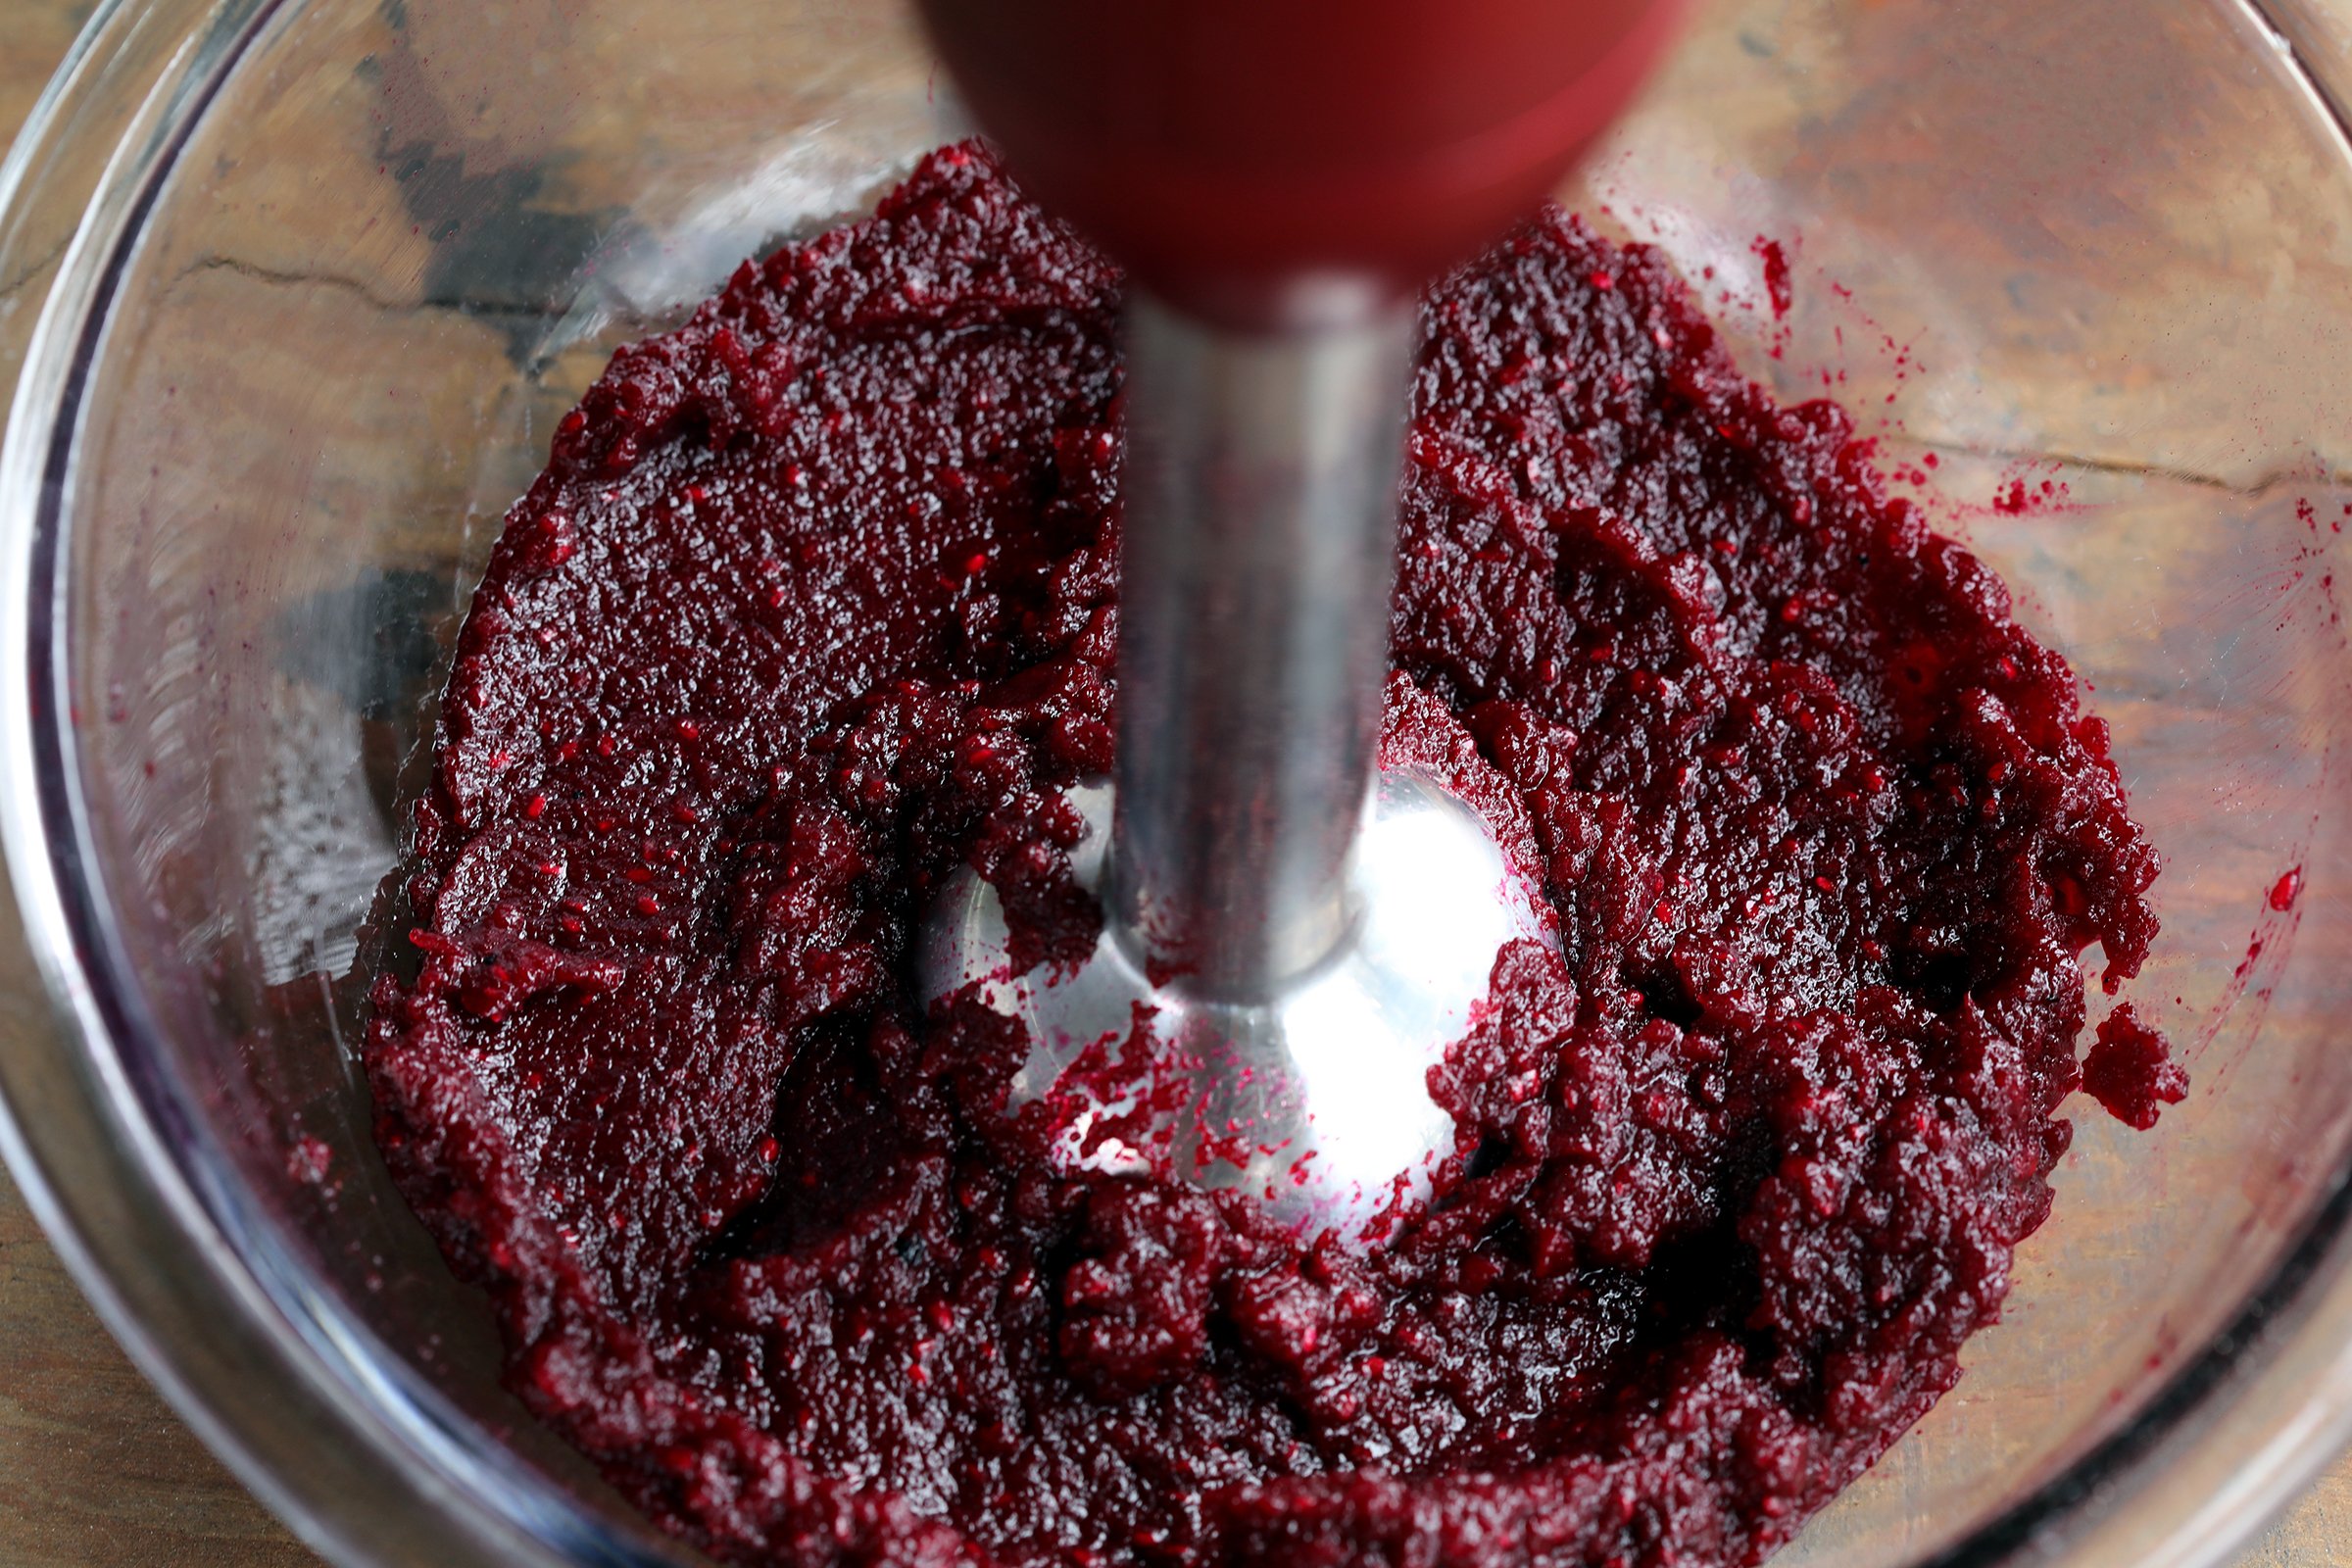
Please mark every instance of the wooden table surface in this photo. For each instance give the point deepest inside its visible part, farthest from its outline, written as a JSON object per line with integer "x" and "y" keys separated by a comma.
{"x": 95, "y": 1469}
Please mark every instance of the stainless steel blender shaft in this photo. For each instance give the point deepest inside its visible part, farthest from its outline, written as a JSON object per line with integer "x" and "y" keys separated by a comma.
{"x": 1259, "y": 543}
{"x": 1293, "y": 938}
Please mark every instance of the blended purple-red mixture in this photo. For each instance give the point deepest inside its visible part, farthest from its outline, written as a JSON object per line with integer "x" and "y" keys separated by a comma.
{"x": 816, "y": 600}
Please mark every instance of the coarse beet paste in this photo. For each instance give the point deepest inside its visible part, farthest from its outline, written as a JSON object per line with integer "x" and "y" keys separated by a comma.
{"x": 816, "y": 600}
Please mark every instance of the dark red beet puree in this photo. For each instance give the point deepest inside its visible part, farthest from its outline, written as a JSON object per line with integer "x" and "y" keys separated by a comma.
{"x": 815, "y": 601}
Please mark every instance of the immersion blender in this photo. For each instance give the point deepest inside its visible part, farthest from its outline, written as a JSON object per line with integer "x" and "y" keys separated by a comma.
{"x": 1292, "y": 937}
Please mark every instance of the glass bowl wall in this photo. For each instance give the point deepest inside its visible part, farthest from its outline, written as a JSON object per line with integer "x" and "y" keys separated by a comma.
{"x": 291, "y": 295}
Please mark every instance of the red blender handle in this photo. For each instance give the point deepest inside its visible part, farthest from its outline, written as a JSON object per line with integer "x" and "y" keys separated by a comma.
{"x": 1225, "y": 150}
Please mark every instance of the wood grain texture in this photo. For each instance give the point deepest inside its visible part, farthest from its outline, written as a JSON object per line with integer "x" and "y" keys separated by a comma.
{"x": 95, "y": 1469}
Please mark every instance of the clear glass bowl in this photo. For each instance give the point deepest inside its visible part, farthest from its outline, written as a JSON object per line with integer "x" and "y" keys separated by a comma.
{"x": 292, "y": 293}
